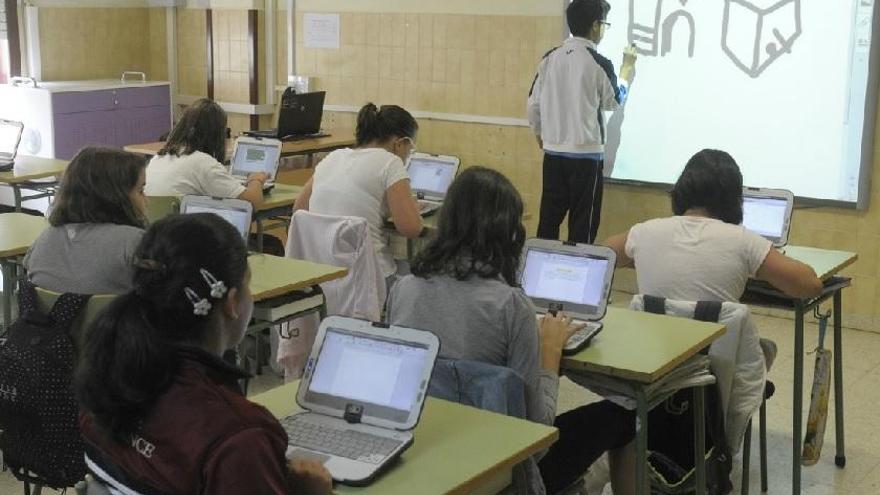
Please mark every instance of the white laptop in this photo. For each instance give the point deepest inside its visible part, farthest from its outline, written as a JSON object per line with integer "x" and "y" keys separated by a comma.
{"x": 255, "y": 155}
{"x": 235, "y": 211}
{"x": 10, "y": 137}
{"x": 767, "y": 212}
{"x": 363, "y": 390}
{"x": 573, "y": 278}
{"x": 430, "y": 177}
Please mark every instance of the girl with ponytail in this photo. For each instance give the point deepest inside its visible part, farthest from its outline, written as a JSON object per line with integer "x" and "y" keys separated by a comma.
{"x": 161, "y": 410}
{"x": 370, "y": 180}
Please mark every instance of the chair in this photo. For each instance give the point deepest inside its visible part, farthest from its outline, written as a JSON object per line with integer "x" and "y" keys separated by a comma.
{"x": 159, "y": 207}
{"x": 491, "y": 388}
{"x": 46, "y": 299}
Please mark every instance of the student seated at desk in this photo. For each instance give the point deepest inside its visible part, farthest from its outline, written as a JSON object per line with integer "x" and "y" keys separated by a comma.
{"x": 703, "y": 253}
{"x": 162, "y": 410}
{"x": 191, "y": 162}
{"x": 464, "y": 289}
{"x": 96, "y": 222}
{"x": 370, "y": 181}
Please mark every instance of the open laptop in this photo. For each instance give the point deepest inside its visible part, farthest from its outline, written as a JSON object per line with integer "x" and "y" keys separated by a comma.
{"x": 299, "y": 116}
{"x": 574, "y": 278}
{"x": 10, "y": 137}
{"x": 363, "y": 390}
{"x": 430, "y": 177}
{"x": 255, "y": 155}
{"x": 235, "y": 211}
{"x": 767, "y": 212}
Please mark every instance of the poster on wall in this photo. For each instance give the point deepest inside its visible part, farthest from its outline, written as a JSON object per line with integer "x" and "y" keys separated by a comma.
{"x": 321, "y": 30}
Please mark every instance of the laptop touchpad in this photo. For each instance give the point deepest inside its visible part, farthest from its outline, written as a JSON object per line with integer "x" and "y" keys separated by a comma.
{"x": 295, "y": 454}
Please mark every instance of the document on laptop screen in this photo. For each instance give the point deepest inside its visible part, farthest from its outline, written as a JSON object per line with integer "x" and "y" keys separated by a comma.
{"x": 251, "y": 158}
{"x": 764, "y": 216}
{"x": 564, "y": 277}
{"x": 380, "y": 372}
{"x": 8, "y": 138}
{"x": 239, "y": 219}
{"x": 431, "y": 175}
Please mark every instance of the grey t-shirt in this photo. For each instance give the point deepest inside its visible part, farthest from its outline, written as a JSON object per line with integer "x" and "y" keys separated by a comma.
{"x": 482, "y": 320}
{"x": 84, "y": 258}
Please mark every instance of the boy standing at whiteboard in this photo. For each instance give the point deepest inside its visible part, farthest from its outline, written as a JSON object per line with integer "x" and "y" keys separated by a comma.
{"x": 572, "y": 88}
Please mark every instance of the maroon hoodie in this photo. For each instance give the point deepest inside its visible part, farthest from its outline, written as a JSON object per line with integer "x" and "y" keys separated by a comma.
{"x": 201, "y": 437}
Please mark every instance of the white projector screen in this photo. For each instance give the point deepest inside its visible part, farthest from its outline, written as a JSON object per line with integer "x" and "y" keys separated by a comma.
{"x": 787, "y": 87}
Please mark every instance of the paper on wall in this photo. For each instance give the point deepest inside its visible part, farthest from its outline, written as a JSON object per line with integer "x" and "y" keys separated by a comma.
{"x": 321, "y": 30}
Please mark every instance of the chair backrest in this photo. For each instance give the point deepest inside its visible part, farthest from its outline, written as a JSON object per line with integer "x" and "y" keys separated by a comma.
{"x": 159, "y": 207}
{"x": 46, "y": 299}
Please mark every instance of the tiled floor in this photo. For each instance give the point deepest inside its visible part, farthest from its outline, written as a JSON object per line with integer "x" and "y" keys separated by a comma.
{"x": 861, "y": 391}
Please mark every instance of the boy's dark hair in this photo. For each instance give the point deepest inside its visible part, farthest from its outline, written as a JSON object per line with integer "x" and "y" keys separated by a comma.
{"x": 380, "y": 124}
{"x": 582, "y": 14}
{"x": 710, "y": 180}
{"x": 96, "y": 188}
{"x": 479, "y": 230}
{"x": 202, "y": 128}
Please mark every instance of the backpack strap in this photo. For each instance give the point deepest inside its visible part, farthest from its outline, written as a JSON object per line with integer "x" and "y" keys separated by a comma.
{"x": 27, "y": 298}
{"x": 708, "y": 311}
{"x": 654, "y": 304}
{"x": 67, "y": 308}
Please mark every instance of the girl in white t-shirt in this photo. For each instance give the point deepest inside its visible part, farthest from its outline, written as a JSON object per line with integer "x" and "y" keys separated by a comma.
{"x": 192, "y": 160}
{"x": 370, "y": 181}
{"x": 703, "y": 253}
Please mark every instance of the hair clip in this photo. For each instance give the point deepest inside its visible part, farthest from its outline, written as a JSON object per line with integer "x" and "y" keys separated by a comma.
{"x": 201, "y": 306}
{"x": 218, "y": 288}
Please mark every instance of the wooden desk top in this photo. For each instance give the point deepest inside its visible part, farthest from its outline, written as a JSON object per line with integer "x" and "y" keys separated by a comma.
{"x": 273, "y": 276}
{"x": 18, "y": 231}
{"x": 280, "y": 196}
{"x": 338, "y": 138}
{"x": 642, "y": 347}
{"x": 28, "y": 168}
{"x": 825, "y": 262}
{"x": 457, "y": 448}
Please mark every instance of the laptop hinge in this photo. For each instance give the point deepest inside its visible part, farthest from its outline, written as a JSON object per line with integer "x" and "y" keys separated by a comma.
{"x": 569, "y": 243}
{"x": 353, "y": 413}
{"x": 379, "y": 324}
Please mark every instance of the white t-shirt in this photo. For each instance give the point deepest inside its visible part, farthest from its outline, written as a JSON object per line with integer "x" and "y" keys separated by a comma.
{"x": 694, "y": 258}
{"x": 352, "y": 182}
{"x": 197, "y": 173}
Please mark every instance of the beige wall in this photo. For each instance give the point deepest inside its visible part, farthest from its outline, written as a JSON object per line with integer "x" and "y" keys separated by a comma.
{"x": 191, "y": 52}
{"x": 94, "y": 43}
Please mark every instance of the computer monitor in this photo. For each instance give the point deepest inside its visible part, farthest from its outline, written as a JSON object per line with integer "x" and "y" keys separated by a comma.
{"x": 767, "y": 212}
{"x": 235, "y": 211}
{"x": 431, "y": 175}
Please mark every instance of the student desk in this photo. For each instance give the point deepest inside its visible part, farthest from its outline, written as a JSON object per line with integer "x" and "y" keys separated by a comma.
{"x": 338, "y": 138}
{"x": 17, "y": 232}
{"x": 28, "y": 169}
{"x": 826, "y": 264}
{"x": 458, "y": 449}
{"x": 633, "y": 351}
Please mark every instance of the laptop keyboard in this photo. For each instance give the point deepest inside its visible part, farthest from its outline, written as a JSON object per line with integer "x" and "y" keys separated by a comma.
{"x": 427, "y": 207}
{"x": 346, "y": 443}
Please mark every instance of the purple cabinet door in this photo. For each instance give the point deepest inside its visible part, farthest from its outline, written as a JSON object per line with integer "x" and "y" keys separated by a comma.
{"x": 76, "y": 130}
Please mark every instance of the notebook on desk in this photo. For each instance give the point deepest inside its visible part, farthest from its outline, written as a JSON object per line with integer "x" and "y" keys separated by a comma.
{"x": 299, "y": 117}
{"x": 767, "y": 212}
{"x": 430, "y": 177}
{"x": 255, "y": 155}
{"x": 235, "y": 211}
{"x": 363, "y": 389}
{"x": 574, "y": 278}
{"x": 10, "y": 137}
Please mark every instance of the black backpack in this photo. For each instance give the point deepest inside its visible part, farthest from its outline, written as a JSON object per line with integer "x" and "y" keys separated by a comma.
{"x": 40, "y": 437}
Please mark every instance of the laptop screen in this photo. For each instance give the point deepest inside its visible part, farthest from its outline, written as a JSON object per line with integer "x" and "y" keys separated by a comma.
{"x": 565, "y": 277}
{"x": 383, "y": 375}
{"x": 10, "y": 134}
{"x": 240, "y": 219}
{"x": 431, "y": 176}
{"x": 255, "y": 157}
{"x": 765, "y": 216}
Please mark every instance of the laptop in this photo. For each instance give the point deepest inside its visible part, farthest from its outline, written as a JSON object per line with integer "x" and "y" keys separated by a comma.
{"x": 10, "y": 137}
{"x": 235, "y": 211}
{"x": 767, "y": 212}
{"x": 363, "y": 389}
{"x": 299, "y": 116}
{"x": 430, "y": 177}
{"x": 574, "y": 278}
{"x": 255, "y": 155}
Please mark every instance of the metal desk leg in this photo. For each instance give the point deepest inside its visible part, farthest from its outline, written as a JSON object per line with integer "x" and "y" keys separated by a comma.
{"x": 840, "y": 457}
{"x": 16, "y": 192}
{"x": 700, "y": 439}
{"x": 641, "y": 441}
{"x": 798, "y": 400}
{"x": 259, "y": 235}
{"x": 8, "y": 270}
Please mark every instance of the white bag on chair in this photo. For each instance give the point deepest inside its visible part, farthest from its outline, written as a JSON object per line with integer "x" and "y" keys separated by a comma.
{"x": 337, "y": 241}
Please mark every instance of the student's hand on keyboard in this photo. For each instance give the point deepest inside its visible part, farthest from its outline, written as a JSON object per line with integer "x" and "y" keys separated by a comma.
{"x": 554, "y": 333}
{"x": 310, "y": 477}
{"x": 260, "y": 176}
